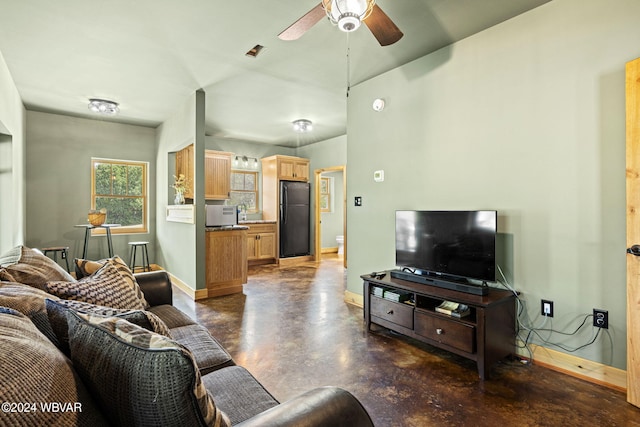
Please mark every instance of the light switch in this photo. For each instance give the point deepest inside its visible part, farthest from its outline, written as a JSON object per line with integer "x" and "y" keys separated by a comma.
{"x": 378, "y": 176}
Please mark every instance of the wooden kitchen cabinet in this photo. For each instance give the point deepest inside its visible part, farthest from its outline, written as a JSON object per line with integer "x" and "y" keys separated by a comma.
{"x": 289, "y": 168}
{"x": 184, "y": 165}
{"x": 261, "y": 243}
{"x": 217, "y": 175}
{"x": 226, "y": 257}
{"x": 217, "y": 172}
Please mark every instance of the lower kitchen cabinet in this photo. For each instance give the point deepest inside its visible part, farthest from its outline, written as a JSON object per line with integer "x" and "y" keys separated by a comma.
{"x": 261, "y": 243}
{"x": 226, "y": 269}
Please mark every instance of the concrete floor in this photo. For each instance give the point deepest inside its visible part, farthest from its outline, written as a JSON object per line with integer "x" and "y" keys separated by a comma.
{"x": 292, "y": 330}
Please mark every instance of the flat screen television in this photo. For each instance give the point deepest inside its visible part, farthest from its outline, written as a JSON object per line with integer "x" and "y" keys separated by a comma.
{"x": 455, "y": 245}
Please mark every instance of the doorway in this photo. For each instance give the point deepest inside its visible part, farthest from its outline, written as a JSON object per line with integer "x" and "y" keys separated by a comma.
{"x": 331, "y": 208}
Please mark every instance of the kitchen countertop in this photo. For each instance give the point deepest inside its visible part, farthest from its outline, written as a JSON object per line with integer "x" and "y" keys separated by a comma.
{"x": 257, "y": 221}
{"x": 227, "y": 228}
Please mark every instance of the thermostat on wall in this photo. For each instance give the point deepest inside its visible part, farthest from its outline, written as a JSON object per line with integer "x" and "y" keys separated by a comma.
{"x": 378, "y": 176}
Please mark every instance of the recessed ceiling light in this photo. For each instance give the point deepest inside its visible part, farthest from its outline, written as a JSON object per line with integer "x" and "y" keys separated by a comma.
{"x": 302, "y": 125}
{"x": 103, "y": 106}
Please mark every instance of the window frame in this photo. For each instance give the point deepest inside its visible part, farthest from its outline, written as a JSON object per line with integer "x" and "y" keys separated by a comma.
{"x": 127, "y": 229}
{"x": 325, "y": 194}
{"x": 255, "y": 190}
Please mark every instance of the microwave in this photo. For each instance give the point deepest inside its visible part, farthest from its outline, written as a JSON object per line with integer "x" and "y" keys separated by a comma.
{"x": 221, "y": 215}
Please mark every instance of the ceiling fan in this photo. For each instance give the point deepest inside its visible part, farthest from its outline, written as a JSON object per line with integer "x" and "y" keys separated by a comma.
{"x": 347, "y": 15}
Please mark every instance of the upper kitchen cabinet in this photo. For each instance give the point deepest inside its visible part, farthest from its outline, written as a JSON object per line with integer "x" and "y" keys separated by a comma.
{"x": 288, "y": 168}
{"x": 184, "y": 166}
{"x": 217, "y": 175}
{"x": 217, "y": 172}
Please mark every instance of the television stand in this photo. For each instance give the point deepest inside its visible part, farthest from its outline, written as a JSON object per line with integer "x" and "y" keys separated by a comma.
{"x": 486, "y": 335}
{"x": 447, "y": 283}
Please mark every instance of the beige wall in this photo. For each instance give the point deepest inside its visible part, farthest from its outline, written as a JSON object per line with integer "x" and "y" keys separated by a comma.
{"x": 177, "y": 250}
{"x": 12, "y": 162}
{"x": 58, "y": 179}
{"x": 526, "y": 118}
{"x": 325, "y": 154}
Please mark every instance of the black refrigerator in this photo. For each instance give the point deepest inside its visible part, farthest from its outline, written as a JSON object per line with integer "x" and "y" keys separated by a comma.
{"x": 294, "y": 218}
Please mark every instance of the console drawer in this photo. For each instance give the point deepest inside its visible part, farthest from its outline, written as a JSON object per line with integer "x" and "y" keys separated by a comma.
{"x": 451, "y": 332}
{"x": 398, "y": 313}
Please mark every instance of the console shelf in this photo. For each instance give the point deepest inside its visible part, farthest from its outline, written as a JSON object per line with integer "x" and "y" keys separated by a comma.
{"x": 486, "y": 335}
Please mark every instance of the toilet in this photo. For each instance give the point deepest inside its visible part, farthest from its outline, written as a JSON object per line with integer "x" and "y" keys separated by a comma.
{"x": 340, "y": 242}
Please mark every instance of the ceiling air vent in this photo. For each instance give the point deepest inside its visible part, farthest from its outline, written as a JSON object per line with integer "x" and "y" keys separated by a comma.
{"x": 254, "y": 51}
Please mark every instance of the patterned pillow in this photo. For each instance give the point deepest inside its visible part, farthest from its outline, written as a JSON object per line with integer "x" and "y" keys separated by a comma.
{"x": 139, "y": 377}
{"x": 24, "y": 265}
{"x": 105, "y": 287}
{"x": 86, "y": 267}
{"x": 30, "y": 302}
{"x": 57, "y": 314}
{"x": 34, "y": 370}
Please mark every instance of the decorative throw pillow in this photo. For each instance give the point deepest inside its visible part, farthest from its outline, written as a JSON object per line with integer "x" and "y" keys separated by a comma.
{"x": 34, "y": 372}
{"x": 30, "y": 302}
{"x": 86, "y": 267}
{"x": 105, "y": 287}
{"x": 139, "y": 377}
{"x": 24, "y": 265}
{"x": 57, "y": 314}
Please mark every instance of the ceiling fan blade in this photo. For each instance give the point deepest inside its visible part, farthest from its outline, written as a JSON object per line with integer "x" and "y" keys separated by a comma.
{"x": 382, "y": 27}
{"x": 298, "y": 28}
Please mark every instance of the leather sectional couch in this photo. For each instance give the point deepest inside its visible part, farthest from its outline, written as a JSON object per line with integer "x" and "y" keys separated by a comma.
{"x": 65, "y": 360}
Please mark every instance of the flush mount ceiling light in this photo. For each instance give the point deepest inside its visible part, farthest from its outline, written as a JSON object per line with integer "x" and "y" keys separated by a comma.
{"x": 103, "y": 106}
{"x": 302, "y": 125}
{"x": 348, "y": 14}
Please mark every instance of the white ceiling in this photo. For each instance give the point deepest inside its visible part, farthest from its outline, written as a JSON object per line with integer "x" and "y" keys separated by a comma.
{"x": 151, "y": 55}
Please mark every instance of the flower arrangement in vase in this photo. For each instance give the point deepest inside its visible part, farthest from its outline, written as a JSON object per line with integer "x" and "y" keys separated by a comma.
{"x": 180, "y": 186}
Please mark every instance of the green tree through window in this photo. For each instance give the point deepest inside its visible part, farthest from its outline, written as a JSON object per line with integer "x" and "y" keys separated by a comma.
{"x": 120, "y": 187}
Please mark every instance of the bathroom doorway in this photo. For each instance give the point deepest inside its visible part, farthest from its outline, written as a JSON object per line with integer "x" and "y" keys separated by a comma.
{"x": 330, "y": 212}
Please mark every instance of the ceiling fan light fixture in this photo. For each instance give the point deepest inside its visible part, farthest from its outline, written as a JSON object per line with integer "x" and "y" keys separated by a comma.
{"x": 103, "y": 106}
{"x": 348, "y": 22}
{"x": 348, "y": 14}
{"x": 302, "y": 125}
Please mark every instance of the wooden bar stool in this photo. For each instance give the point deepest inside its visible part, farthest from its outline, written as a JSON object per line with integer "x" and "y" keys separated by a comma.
{"x": 63, "y": 250}
{"x": 145, "y": 256}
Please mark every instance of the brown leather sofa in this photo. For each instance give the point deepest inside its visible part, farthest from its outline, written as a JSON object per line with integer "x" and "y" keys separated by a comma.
{"x": 324, "y": 406}
{"x": 35, "y": 371}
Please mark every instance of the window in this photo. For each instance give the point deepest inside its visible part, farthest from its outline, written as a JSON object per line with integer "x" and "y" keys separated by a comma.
{"x": 325, "y": 195}
{"x": 120, "y": 187}
{"x": 244, "y": 190}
